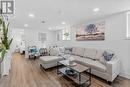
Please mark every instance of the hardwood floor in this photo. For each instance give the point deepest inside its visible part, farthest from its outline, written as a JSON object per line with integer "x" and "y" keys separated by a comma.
{"x": 27, "y": 73}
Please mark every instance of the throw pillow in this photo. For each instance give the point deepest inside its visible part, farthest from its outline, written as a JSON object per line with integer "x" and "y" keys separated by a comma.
{"x": 107, "y": 56}
{"x": 68, "y": 50}
{"x": 61, "y": 49}
{"x": 34, "y": 50}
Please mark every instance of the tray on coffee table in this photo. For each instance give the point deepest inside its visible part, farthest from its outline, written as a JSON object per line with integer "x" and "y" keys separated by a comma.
{"x": 76, "y": 72}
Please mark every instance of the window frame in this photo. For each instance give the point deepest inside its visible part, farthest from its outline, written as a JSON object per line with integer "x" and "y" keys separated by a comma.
{"x": 63, "y": 32}
{"x": 127, "y": 25}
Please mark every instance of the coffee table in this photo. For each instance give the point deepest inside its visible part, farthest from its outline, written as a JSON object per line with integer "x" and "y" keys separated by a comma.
{"x": 79, "y": 77}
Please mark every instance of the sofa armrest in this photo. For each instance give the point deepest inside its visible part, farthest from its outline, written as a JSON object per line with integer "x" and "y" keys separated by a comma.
{"x": 113, "y": 68}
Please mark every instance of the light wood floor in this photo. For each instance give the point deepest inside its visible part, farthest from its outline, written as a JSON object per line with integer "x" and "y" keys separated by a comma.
{"x": 26, "y": 73}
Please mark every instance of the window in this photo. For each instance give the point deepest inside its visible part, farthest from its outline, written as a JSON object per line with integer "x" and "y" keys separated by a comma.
{"x": 128, "y": 25}
{"x": 66, "y": 34}
{"x": 42, "y": 37}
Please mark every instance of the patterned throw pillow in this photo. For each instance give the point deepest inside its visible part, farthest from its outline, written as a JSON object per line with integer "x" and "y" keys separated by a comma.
{"x": 108, "y": 56}
{"x": 68, "y": 50}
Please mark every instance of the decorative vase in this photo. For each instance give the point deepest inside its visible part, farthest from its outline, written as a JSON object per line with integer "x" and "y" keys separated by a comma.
{"x": 6, "y": 64}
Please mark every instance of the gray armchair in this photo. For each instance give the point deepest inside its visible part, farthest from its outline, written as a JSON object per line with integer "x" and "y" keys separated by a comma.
{"x": 43, "y": 52}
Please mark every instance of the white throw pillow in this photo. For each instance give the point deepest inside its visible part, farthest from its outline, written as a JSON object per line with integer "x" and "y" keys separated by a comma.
{"x": 61, "y": 49}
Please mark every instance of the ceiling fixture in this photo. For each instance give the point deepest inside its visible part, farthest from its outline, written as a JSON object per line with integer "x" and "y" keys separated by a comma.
{"x": 60, "y": 12}
{"x": 25, "y": 25}
{"x": 96, "y": 9}
{"x": 63, "y": 22}
{"x": 50, "y": 28}
{"x": 43, "y": 21}
{"x": 31, "y": 15}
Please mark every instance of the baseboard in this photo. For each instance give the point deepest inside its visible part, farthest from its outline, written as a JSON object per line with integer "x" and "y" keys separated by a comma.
{"x": 126, "y": 75}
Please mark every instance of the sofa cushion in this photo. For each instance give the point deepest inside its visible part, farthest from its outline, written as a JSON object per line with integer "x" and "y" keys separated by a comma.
{"x": 91, "y": 63}
{"x": 50, "y": 59}
{"x": 61, "y": 49}
{"x": 54, "y": 51}
{"x": 99, "y": 54}
{"x": 74, "y": 57}
{"x": 90, "y": 53}
{"x": 78, "y": 51}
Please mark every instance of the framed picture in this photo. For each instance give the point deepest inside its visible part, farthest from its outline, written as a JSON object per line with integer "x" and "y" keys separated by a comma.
{"x": 94, "y": 31}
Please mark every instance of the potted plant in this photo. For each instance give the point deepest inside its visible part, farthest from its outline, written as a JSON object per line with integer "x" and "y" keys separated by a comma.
{"x": 5, "y": 42}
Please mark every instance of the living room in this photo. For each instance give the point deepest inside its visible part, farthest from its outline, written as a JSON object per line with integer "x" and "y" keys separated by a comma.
{"x": 89, "y": 38}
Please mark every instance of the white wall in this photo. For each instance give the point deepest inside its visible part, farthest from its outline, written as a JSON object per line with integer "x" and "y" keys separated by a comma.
{"x": 31, "y": 39}
{"x": 115, "y": 39}
{"x": 17, "y": 35}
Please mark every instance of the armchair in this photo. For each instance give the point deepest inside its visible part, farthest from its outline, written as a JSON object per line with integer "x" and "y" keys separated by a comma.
{"x": 33, "y": 52}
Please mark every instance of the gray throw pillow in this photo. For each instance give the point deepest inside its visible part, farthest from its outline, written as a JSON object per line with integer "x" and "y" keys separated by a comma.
{"x": 68, "y": 50}
{"x": 108, "y": 56}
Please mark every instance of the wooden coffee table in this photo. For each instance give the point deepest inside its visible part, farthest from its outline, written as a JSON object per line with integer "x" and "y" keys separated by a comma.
{"x": 79, "y": 76}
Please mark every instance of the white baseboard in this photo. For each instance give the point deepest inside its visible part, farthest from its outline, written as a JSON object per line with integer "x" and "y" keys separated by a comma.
{"x": 126, "y": 75}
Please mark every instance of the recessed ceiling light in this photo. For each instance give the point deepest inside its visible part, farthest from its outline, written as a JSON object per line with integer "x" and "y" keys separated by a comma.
{"x": 63, "y": 22}
{"x": 60, "y": 12}
{"x": 31, "y": 15}
{"x": 50, "y": 28}
{"x": 96, "y": 9}
{"x": 25, "y": 25}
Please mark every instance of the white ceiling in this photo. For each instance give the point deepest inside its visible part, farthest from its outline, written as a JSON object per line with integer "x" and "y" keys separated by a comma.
{"x": 53, "y": 12}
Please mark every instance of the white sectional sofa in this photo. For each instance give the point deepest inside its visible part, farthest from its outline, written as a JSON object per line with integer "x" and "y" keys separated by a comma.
{"x": 50, "y": 60}
{"x": 93, "y": 58}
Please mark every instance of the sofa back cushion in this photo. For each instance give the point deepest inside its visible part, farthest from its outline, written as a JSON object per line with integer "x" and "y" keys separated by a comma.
{"x": 90, "y": 53}
{"x": 79, "y": 51}
{"x": 99, "y": 54}
{"x": 61, "y": 49}
{"x": 54, "y": 52}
